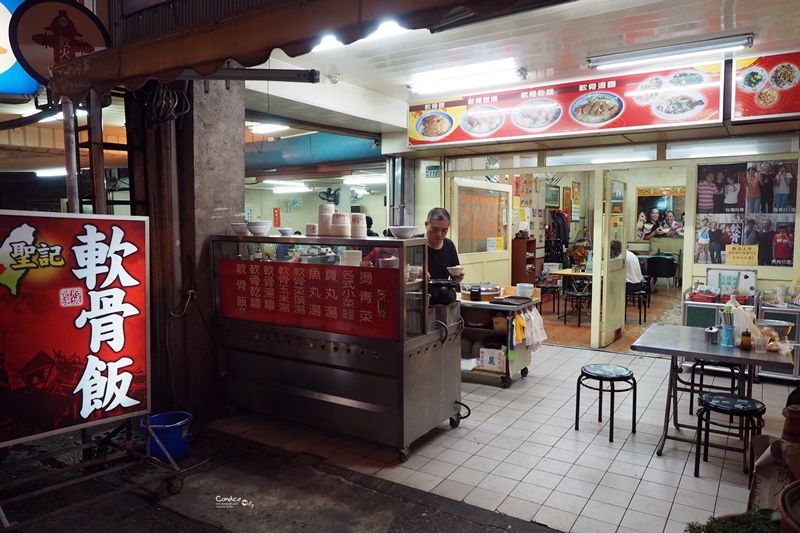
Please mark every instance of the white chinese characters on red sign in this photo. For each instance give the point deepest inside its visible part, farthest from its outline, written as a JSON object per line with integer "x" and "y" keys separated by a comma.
{"x": 104, "y": 385}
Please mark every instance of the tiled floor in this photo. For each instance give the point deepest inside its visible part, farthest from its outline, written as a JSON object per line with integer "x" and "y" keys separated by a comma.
{"x": 519, "y": 454}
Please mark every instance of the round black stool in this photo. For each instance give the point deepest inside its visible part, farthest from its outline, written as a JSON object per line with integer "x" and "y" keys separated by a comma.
{"x": 751, "y": 412}
{"x": 699, "y": 387}
{"x": 579, "y": 299}
{"x": 556, "y": 292}
{"x": 612, "y": 374}
{"x": 640, "y": 299}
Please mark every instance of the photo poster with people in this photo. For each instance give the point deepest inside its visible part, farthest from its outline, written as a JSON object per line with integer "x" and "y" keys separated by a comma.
{"x": 748, "y": 204}
{"x": 660, "y": 212}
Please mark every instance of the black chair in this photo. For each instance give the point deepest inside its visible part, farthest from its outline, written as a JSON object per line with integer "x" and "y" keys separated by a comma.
{"x": 662, "y": 267}
{"x": 580, "y": 295}
{"x": 555, "y": 290}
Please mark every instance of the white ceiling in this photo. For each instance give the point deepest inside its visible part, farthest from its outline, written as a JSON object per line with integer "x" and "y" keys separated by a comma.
{"x": 551, "y": 43}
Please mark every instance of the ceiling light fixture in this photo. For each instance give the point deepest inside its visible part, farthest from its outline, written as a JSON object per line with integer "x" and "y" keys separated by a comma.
{"x": 479, "y": 75}
{"x": 263, "y": 129}
{"x": 672, "y": 52}
{"x": 60, "y": 116}
{"x": 51, "y": 172}
{"x": 289, "y": 190}
{"x": 365, "y": 180}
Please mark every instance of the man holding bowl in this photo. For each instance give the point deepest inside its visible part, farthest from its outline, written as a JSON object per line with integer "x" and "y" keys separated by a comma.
{"x": 442, "y": 251}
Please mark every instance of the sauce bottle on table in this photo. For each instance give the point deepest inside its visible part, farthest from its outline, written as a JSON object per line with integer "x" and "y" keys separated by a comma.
{"x": 747, "y": 340}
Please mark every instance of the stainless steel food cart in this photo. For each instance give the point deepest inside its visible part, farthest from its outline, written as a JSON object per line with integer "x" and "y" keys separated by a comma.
{"x": 390, "y": 381}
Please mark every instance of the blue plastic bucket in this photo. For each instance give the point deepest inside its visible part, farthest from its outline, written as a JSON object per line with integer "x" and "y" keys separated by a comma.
{"x": 173, "y": 430}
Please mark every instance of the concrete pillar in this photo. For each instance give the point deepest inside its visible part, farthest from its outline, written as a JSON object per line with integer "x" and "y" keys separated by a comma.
{"x": 211, "y": 177}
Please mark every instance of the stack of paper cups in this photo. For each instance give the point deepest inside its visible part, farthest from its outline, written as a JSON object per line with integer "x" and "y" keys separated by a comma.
{"x": 325, "y": 219}
{"x": 340, "y": 226}
{"x": 358, "y": 225}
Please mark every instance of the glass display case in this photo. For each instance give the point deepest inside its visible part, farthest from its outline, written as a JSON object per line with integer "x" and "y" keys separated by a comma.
{"x": 313, "y": 331}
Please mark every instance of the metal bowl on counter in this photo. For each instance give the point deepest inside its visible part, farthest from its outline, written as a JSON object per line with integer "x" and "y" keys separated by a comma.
{"x": 487, "y": 291}
{"x": 780, "y": 327}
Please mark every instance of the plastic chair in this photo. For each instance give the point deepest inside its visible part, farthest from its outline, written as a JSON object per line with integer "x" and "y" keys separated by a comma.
{"x": 662, "y": 267}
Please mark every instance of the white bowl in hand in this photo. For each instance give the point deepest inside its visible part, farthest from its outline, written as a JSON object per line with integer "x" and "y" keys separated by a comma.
{"x": 456, "y": 271}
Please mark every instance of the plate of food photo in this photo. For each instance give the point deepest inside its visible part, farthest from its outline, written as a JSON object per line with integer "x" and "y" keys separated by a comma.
{"x": 784, "y": 76}
{"x": 686, "y": 78}
{"x": 482, "y": 120}
{"x": 649, "y": 90}
{"x": 753, "y": 79}
{"x": 767, "y": 97}
{"x": 536, "y": 115}
{"x": 678, "y": 106}
{"x": 434, "y": 125}
{"x": 596, "y": 109}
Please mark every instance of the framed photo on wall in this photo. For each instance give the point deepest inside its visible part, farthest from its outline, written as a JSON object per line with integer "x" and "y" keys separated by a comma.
{"x": 552, "y": 196}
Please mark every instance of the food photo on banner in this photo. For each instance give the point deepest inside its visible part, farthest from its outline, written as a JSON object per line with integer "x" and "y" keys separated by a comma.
{"x": 754, "y": 202}
{"x": 74, "y": 308}
{"x": 660, "y": 211}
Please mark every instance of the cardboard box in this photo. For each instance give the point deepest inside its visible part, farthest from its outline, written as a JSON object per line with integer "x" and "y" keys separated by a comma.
{"x": 494, "y": 360}
{"x": 777, "y": 463}
{"x": 551, "y": 267}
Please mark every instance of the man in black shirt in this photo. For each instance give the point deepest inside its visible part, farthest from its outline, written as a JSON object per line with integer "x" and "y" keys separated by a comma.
{"x": 765, "y": 237}
{"x": 441, "y": 250}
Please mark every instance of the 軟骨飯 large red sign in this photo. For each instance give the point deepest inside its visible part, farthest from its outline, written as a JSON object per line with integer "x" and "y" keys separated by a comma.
{"x": 337, "y": 299}
{"x": 636, "y": 101}
{"x": 74, "y": 349}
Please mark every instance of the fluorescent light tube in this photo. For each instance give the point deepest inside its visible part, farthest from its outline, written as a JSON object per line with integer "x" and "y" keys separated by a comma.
{"x": 51, "y": 172}
{"x": 486, "y": 74}
{"x": 262, "y": 129}
{"x": 289, "y": 190}
{"x": 366, "y": 180}
{"x": 671, "y": 52}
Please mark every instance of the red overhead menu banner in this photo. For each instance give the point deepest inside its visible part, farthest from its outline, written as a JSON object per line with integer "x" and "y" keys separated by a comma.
{"x": 74, "y": 348}
{"x": 338, "y": 299}
{"x": 666, "y": 98}
{"x": 766, "y": 86}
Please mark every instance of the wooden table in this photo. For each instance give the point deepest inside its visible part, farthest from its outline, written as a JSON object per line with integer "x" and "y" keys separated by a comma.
{"x": 686, "y": 341}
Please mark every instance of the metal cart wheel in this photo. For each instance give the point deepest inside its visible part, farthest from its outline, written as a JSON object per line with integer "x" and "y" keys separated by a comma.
{"x": 506, "y": 381}
{"x": 404, "y": 453}
{"x": 455, "y": 421}
{"x": 174, "y": 485}
{"x": 524, "y": 372}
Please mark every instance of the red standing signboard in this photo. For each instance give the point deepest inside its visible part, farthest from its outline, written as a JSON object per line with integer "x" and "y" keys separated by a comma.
{"x": 74, "y": 348}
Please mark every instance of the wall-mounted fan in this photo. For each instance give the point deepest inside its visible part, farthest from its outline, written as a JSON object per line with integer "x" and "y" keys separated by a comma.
{"x": 294, "y": 203}
{"x": 330, "y": 196}
{"x": 355, "y": 196}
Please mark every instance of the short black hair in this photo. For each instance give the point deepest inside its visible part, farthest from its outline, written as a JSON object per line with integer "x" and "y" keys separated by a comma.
{"x": 438, "y": 213}
{"x": 369, "y": 222}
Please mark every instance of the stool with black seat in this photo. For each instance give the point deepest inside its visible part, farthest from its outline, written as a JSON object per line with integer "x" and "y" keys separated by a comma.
{"x": 639, "y": 298}
{"x": 612, "y": 374}
{"x": 648, "y": 287}
{"x": 580, "y": 295}
{"x": 699, "y": 369}
{"x": 555, "y": 291}
{"x": 751, "y": 412}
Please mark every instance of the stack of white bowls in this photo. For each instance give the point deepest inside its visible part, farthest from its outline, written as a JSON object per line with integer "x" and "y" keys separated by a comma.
{"x": 358, "y": 225}
{"x": 340, "y": 225}
{"x": 325, "y": 219}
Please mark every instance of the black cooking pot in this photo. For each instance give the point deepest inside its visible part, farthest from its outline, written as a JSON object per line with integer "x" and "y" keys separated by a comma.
{"x": 442, "y": 291}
